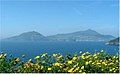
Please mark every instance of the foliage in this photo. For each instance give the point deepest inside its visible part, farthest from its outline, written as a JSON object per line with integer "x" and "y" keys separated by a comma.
{"x": 79, "y": 63}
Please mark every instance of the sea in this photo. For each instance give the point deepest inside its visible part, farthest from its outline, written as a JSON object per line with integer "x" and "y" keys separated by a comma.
{"x": 33, "y": 49}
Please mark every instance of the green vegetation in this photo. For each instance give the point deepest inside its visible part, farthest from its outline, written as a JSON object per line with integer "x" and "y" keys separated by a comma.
{"x": 78, "y": 63}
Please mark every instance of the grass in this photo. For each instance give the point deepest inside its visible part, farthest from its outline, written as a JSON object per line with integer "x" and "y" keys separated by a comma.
{"x": 78, "y": 63}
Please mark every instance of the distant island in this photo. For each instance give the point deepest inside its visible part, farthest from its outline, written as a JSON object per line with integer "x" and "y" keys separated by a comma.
{"x": 87, "y": 35}
{"x": 114, "y": 41}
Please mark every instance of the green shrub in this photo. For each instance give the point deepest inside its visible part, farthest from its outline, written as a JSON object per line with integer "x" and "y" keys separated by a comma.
{"x": 81, "y": 63}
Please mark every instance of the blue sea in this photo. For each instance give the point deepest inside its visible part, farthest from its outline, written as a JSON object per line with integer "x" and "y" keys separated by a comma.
{"x": 32, "y": 49}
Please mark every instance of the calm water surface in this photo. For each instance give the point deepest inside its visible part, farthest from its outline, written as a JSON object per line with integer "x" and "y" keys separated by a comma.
{"x": 32, "y": 49}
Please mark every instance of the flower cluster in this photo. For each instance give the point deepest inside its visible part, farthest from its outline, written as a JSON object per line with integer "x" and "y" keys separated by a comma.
{"x": 81, "y": 63}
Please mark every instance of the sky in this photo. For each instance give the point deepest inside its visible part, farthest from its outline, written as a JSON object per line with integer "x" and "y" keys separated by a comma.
{"x": 51, "y": 17}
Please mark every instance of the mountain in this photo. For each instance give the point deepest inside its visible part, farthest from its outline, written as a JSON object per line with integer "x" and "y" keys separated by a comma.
{"x": 27, "y": 36}
{"x": 114, "y": 41}
{"x": 87, "y": 35}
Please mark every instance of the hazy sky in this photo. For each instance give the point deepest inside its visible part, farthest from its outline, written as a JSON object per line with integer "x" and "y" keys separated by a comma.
{"x": 52, "y": 17}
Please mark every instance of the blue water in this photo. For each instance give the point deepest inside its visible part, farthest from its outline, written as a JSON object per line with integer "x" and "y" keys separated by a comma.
{"x": 32, "y": 49}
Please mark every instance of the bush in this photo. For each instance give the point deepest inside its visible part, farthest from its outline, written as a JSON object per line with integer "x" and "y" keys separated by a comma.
{"x": 79, "y": 63}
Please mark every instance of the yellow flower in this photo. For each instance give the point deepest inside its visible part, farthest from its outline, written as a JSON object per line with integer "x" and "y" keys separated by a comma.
{"x": 87, "y": 53}
{"x": 42, "y": 67}
{"x": 83, "y": 54}
{"x": 87, "y": 63}
{"x": 37, "y": 66}
{"x": 60, "y": 57}
{"x": 98, "y": 53}
{"x": 114, "y": 57}
{"x": 98, "y": 63}
{"x": 102, "y": 69}
{"x": 109, "y": 59}
{"x": 82, "y": 57}
{"x": 90, "y": 61}
{"x": 116, "y": 60}
{"x": 95, "y": 57}
{"x": 5, "y": 55}
{"x": 74, "y": 58}
{"x": 43, "y": 55}
{"x": 60, "y": 66}
{"x": 87, "y": 57}
{"x": 113, "y": 68}
{"x": 57, "y": 64}
{"x": 54, "y": 55}
{"x": 75, "y": 65}
{"x": 69, "y": 62}
{"x": 110, "y": 70}
{"x": 111, "y": 63}
{"x": 1, "y": 55}
{"x": 100, "y": 60}
{"x": 114, "y": 71}
{"x": 82, "y": 67}
{"x": 80, "y": 71}
{"x": 71, "y": 70}
{"x": 17, "y": 60}
{"x": 76, "y": 69}
{"x": 37, "y": 57}
{"x": 104, "y": 63}
{"x": 49, "y": 68}
{"x": 93, "y": 63}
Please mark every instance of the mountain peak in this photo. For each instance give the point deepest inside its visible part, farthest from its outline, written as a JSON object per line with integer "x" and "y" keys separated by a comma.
{"x": 92, "y": 32}
{"x": 89, "y": 30}
{"x": 28, "y": 36}
{"x": 33, "y": 31}
{"x": 30, "y": 33}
